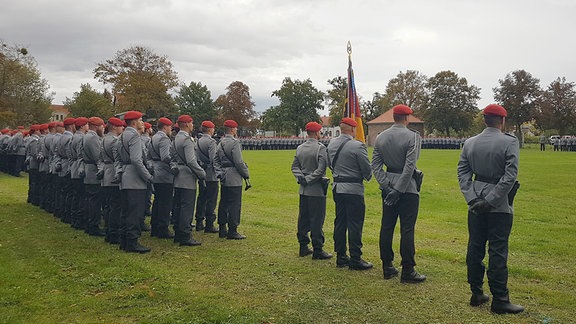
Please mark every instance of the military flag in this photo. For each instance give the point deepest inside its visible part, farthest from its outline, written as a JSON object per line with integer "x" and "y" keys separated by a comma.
{"x": 352, "y": 106}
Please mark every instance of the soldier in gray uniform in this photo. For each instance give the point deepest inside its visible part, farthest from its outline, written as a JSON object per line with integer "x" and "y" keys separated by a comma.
{"x": 63, "y": 168}
{"x": 159, "y": 151}
{"x": 4, "y": 140}
{"x": 111, "y": 206}
{"x": 208, "y": 195}
{"x": 134, "y": 183}
{"x": 489, "y": 186}
{"x": 348, "y": 159}
{"x": 43, "y": 167}
{"x": 18, "y": 151}
{"x": 54, "y": 167}
{"x": 32, "y": 150}
{"x": 188, "y": 174}
{"x": 91, "y": 153}
{"x": 398, "y": 148}
{"x": 77, "y": 173}
{"x": 146, "y": 137}
{"x": 230, "y": 169}
{"x": 309, "y": 169}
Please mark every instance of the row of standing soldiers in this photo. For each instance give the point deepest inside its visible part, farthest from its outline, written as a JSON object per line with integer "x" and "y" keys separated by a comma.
{"x": 88, "y": 172}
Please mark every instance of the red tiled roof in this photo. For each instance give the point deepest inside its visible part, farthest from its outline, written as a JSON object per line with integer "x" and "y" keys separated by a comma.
{"x": 387, "y": 117}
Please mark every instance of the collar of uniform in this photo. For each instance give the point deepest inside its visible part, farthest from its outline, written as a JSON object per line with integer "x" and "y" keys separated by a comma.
{"x": 91, "y": 132}
{"x": 161, "y": 133}
{"x": 492, "y": 130}
{"x": 229, "y": 135}
{"x": 346, "y": 135}
{"x": 131, "y": 129}
{"x": 398, "y": 125}
{"x": 67, "y": 132}
{"x": 183, "y": 133}
{"x": 311, "y": 140}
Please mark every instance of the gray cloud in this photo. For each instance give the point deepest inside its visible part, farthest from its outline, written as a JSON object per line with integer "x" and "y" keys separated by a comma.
{"x": 261, "y": 42}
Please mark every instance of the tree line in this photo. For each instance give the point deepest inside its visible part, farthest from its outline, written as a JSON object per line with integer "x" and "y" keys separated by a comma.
{"x": 140, "y": 79}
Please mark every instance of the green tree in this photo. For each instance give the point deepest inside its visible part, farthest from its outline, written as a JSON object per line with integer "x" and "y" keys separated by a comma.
{"x": 140, "y": 80}
{"x": 196, "y": 100}
{"x": 24, "y": 97}
{"x": 237, "y": 104}
{"x": 299, "y": 104}
{"x": 336, "y": 99}
{"x": 452, "y": 103}
{"x": 518, "y": 93}
{"x": 556, "y": 108}
{"x": 89, "y": 102}
{"x": 407, "y": 88}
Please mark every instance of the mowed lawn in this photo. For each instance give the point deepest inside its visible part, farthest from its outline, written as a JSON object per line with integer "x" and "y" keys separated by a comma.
{"x": 50, "y": 273}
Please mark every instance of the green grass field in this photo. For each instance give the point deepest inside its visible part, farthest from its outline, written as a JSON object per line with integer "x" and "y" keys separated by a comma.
{"x": 50, "y": 273}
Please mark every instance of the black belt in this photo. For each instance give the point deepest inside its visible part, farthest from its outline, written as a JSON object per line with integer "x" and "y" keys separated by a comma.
{"x": 89, "y": 162}
{"x": 156, "y": 159}
{"x": 181, "y": 163}
{"x": 348, "y": 180}
{"x": 227, "y": 165}
{"x": 126, "y": 163}
{"x": 392, "y": 170}
{"x": 486, "y": 179}
{"x": 108, "y": 162}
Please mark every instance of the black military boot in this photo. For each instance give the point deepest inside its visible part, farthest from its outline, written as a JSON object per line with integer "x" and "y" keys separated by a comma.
{"x": 411, "y": 276}
{"x": 135, "y": 247}
{"x": 359, "y": 264}
{"x": 304, "y": 250}
{"x": 190, "y": 242}
{"x": 479, "y": 298}
{"x": 210, "y": 228}
{"x": 389, "y": 271}
{"x": 200, "y": 226}
{"x": 502, "y": 305}
{"x": 342, "y": 260}
{"x": 320, "y": 254}
{"x": 234, "y": 235}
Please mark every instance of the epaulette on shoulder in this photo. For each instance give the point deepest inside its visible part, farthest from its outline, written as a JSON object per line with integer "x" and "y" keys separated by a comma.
{"x": 415, "y": 131}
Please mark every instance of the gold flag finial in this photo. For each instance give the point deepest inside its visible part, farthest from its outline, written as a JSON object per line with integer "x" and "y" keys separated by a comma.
{"x": 349, "y": 48}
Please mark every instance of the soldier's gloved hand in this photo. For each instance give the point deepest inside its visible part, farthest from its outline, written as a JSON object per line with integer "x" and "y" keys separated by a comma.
{"x": 302, "y": 180}
{"x": 392, "y": 197}
{"x": 100, "y": 174}
{"x": 480, "y": 206}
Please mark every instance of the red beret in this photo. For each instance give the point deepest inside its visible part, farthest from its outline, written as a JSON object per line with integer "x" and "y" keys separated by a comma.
{"x": 52, "y": 124}
{"x": 115, "y": 121}
{"x": 14, "y": 131}
{"x": 230, "y": 124}
{"x": 33, "y": 127}
{"x": 495, "y": 110}
{"x": 20, "y": 127}
{"x": 25, "y": 133}
{"x": 402, "y": 110}
{"x": 5, "y": 130}
{"x": 81, "y": 121}
{"x": 59, "y": 124}
{"x": 43, "y": 127}
{"x": 69, "y": 121}
{"x": 313, "y": 127}
{"x": 147, "y": 125}
{"x": 208, "y": 124}
{"x": 185, "y": 119}
{"x": 96, "y": 121}
{"x": 132, "y": 114}
{"x": 349, "y": 121}
{"x": 165, "y": 121}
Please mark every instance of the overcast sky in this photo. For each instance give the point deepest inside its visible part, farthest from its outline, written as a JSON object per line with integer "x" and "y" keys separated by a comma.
{"x": 260, "y": 42}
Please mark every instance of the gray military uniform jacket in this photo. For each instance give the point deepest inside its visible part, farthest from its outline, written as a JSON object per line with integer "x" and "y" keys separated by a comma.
{"x": 75, "y": 155}
{"x": 32, "y": 150}
{"x": 490, "y": 155}
{"x": 228, "y": 162}
{"x": 206, "y": 155}
{"x": 63, "y": 151}
{"x": 17, "y": 146}
{"x": 397, "y": 148}
{"x": 310, "y": 162}
{"x": 107, "y": 153}
{"x": 91, "y": 156}
{"x": 352, "y": 165}
{"x": 159, "y": 152}
{"x": 130, "y": 150}
{"x": 189, "y": 171}
{"x": 43, "y": 154}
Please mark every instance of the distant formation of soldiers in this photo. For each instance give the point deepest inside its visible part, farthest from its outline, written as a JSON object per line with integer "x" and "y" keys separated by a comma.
{"x": 565, "y": 144}
{"x": 89, "y": 172}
